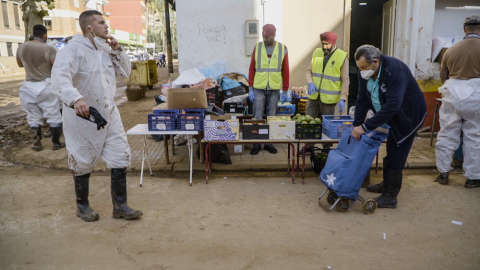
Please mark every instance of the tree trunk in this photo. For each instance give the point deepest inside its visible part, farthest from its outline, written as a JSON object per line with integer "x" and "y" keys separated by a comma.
{"x": 30, "y": 16}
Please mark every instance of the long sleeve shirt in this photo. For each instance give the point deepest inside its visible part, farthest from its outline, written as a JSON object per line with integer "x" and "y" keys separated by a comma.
{"x": 344, "y": 76}
{"x": 285, "y": 70}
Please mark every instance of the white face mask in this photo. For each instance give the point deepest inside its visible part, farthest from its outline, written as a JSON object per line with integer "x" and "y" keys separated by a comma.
{"x": 99, "y": 42}
{"x": 366, "y": 74}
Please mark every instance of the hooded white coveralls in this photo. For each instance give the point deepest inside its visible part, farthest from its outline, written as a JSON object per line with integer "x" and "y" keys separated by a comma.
{"x": 460, "y": 111}
{"x": 81, "y": 71}
{"x": 39, "y": 103}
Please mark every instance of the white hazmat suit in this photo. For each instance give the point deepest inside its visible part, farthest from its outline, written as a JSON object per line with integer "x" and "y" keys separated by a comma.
{"x": 81, "y": 71}
{"x": 460, "y": 111}
{"x": 39, "y": 103}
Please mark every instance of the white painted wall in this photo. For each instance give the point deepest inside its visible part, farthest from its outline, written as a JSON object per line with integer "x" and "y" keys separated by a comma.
{"x": 413, "y": 37}
{"x": 448, "y": 22}
{"x": 213, "y": 30}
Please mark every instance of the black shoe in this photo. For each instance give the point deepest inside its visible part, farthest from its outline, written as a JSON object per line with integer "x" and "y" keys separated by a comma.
{"x": 119, "y": 196}
{"x": 270, "y": 148}
{"x": 392, "y": 183}
{"x": 256, "y": 148}
{"x": 442, "y": 179}
{"x": 472, "y": 183}
{"x": 81, "y": 191}
{"x": 36, "y": 133}
{"x": 378, "y": 188}
{"x": 56, "y": 131}
{"x": 308, "y": 150}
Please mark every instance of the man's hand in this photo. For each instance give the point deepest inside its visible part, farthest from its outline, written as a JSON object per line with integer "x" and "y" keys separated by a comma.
{"x": 113, "y": 43}
{"x": 81, "y": 108}
{"x": 357, "y": 132}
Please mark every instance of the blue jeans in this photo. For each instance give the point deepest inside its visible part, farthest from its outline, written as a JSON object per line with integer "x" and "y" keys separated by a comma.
{"x": 269, "y": 98}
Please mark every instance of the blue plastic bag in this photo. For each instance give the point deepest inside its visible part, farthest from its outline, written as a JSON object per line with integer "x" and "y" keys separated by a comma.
{"x": 228, "y": 83}
{"x": 348, "y": 165}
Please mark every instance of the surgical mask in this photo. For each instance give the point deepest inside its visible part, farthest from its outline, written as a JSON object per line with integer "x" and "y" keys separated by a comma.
{"x": 366, "y": 74}
{"x": 99, "y": 42}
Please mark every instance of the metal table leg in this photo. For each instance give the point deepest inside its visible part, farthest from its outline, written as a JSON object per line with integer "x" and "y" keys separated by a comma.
{"x": 145, "y": 154}
{"x": 190, "y": 149}
{"x": 165, "y": 149}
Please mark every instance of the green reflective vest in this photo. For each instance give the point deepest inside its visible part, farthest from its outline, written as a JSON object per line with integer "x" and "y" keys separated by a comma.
{"x": 268, "y": 73}
{"x": 328, "y": 81}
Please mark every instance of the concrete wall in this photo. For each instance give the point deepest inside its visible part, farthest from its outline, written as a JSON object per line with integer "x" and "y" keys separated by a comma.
{"x": 448, "y": 22}
{"x": 303, "y": 21}
{"x": 10, "y": 63}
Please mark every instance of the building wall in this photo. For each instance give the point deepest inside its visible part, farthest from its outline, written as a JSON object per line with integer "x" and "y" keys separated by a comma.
{"x": 301, "y": 31}
{"x": 14, "y": 34}
{"x": 448, "y": 22}
{"x": 127, "y": 15}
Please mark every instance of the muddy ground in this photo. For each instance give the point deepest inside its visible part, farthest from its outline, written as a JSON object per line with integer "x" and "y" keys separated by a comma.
{"x": 246, "y": 221}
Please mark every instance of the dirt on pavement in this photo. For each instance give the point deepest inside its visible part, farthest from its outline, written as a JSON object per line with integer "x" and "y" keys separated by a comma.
{"x": 243, "y": 221}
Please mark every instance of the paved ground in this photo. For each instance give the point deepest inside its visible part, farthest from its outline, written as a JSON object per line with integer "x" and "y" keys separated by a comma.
{"x": 254, "y": 220}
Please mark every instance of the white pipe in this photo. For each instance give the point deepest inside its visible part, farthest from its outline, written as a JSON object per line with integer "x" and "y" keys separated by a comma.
{"x": 414, "y": 36}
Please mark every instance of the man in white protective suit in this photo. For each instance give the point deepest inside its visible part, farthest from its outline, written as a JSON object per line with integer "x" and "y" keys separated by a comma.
{"x": 460, "y": 110}
{"x": 36, "y": 95}
{"x": 84, "y": 76}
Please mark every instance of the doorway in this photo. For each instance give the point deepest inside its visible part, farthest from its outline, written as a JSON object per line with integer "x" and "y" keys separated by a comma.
{"x": 372, "y": 22}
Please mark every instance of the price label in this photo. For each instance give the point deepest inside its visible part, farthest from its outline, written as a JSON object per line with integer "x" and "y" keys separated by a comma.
{"x": 234, "y": 124}
{"x": 210, "y": 124}
{"x": 190, "y": 126}
{"x": 237, "y": 148}
{"x": 263, "y": 131}
{"x": 161, "y": 127}
{"x": 232, "y": 110}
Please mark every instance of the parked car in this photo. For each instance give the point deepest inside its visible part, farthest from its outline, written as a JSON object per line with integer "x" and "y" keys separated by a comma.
{"x": 132, "y": 57}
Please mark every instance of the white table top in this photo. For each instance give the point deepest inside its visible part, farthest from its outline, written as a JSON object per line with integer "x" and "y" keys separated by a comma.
{"x": 142, "y": 129}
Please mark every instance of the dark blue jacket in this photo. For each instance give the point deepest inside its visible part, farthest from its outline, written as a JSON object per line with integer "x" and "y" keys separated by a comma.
{"x": 403, "y": 103}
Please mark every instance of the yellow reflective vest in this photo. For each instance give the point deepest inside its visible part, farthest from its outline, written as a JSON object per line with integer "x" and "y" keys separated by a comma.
{"x": 268, "y": 73}
{"x": 328, "y": 81}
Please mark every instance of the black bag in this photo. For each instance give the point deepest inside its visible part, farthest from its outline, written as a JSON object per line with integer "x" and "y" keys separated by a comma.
{"x": 233, "y": 92}
{"x": 219, "y": 152}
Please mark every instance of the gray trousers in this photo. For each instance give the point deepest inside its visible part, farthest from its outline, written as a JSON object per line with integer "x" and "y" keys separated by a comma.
{"x": 313, "y": 107}
{"x": 269, "y": 98}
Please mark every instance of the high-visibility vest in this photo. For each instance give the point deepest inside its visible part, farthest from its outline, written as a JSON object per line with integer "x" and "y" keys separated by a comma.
{"x": 268, "y": 73}
{"x": 328, "y": 81}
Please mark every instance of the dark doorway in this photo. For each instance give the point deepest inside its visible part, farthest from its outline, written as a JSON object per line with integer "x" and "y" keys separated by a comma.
{"x": 366, "y": 28}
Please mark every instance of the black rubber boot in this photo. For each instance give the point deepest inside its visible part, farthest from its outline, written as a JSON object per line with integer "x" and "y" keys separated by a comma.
{"x": 119, "y": 196}
{"x": 378, "y": 188}
{"x": 472, "y": 183}
{"x": 392, "y": 184}
{"x": 270, "y": 148}
{"x": 36, "y": 133}
{"x": 256, "y": 148}
{"x": 81, "y": 191}
{"x": 442, "y": 178}
{"x": 56, "y": 132}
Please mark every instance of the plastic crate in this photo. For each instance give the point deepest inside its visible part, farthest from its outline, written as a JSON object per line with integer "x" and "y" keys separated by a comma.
{"x": 334, "y": 125}
{"x": 190, "y": 119}
{"x": 308, "y": 131}
{"x": 162, "y": 120}
{"x": 212, "y": 95}
{"x": 301, "y": 105}
{"x": 285, "y": 109}
{"x": 234, "y": 107}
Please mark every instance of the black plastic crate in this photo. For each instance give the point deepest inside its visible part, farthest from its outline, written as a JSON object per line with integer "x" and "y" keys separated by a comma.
{"x": 234, "y": 107}
{"x": 308, "y": 131}
{"x": 319, "y": 159}
{"x": 190, "y": 119}
{"x": 301, "y": 105}
{"x": 212, "y": 95}
{"x": 162, "y": 120}
{"x": 255, "y": 130}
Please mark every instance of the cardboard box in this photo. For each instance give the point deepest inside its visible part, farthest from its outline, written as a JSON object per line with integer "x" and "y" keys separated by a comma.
{"x": 220, "y": 117}
{"x": 233, "y": 108}
{"x": 186, "y": 98}
{"x": 282, "y": 130}
{"x": 235, "y": 149}
{"x": 255, "y": 130}
{"x": 162, "y": 106}
{"x": 228, "y": 130}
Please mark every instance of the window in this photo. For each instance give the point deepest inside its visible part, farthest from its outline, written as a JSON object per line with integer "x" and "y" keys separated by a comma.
{"x": 5, "y": 14}
{"x": 9, "y": 49}
{"x": 17, "y": 18}
{"x": 76, "y": 3}
{"x": 77, "y": 25}
{"x": 47, "y": 23}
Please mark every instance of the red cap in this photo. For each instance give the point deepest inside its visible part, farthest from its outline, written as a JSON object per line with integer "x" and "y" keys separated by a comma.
{"x": 329, "y": 37}
{"x": 269, "y": 30}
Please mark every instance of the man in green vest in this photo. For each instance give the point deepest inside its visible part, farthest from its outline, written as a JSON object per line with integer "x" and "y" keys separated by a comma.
{"x": 327, "y": 78}
{"x": 269, "y": 72}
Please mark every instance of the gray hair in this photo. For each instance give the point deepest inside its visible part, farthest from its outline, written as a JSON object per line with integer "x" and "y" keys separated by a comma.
{"x": 369, "y": 51}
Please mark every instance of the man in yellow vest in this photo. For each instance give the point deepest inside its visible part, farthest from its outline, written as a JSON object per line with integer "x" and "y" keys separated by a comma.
{"x": 327, "y": 78}
{"x": 269, "y": 72}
